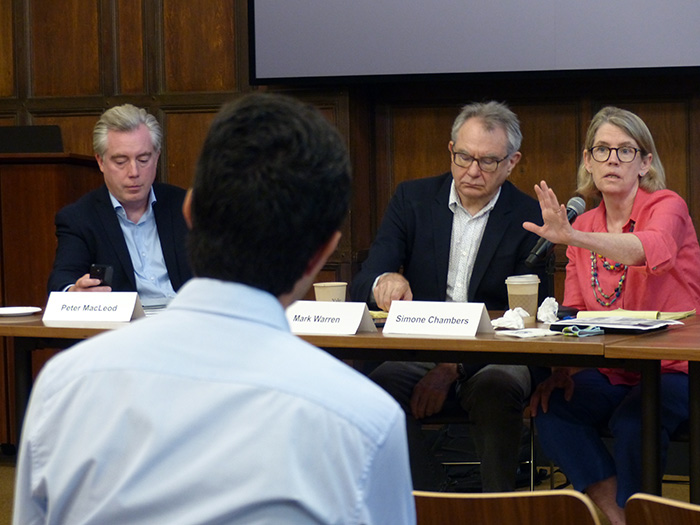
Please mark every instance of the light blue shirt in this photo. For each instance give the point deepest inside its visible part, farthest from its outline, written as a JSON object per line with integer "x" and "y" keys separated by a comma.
{"x": 210, "y": 412}
{"x": 142, "y": 240}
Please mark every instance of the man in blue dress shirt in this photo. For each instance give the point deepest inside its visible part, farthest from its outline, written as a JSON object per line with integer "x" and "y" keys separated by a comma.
{"x": 213, "y": 411}
{"x": 131, "y": 223}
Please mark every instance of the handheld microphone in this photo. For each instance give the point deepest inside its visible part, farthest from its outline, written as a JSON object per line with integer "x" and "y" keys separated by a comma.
{"x": 543, "y": 248}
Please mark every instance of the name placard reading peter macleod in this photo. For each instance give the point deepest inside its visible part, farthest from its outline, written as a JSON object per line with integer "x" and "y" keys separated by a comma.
{"x": 89, "y": 308}
{"x": 110, "y": 307}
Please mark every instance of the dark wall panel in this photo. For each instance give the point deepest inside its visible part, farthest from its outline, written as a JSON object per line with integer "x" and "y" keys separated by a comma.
{"x": 550, "y": 135}
{"x": 184, "y": 135}
{"x": 65, "y": 47}
{"x": 130, "y": 49}
{"x": 7, "y": 66}
{"x": 200, "y": 54}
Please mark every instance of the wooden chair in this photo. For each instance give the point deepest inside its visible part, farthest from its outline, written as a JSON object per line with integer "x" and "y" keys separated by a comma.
{"x": 645, "y": 509}
{"x": 544, "y": 507}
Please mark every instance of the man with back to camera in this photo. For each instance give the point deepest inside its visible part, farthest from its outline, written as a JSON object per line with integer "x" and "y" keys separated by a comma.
{"x": 212, "y": 411}
{"x": 457, "y": 237}
{"x": 131, "y": 223}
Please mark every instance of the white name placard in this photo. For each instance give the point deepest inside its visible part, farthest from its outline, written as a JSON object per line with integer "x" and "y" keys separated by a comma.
{"x": 437, "y": 318}
{"x": 322, "y": 317}
{"x": 93, "y": 307}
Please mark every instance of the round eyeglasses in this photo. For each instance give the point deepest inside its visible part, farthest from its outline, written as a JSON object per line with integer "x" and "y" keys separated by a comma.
{"x": 624, "y": 153}
{"x": 486, "y": 164}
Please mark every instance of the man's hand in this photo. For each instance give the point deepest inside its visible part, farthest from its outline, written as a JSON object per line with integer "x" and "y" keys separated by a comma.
{"x": 560, "y": 378}
{"x": 85, "y": 284}
{"x": 391, "y": 287}
{"x": 430, "y": 393}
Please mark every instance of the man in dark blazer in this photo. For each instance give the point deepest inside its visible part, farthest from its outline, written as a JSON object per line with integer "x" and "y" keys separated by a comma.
{"x": 132, "y": 224}
{"x": 457, "y": 237}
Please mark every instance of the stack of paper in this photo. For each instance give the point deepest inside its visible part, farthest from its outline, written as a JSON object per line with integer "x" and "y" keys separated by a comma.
{"x": 637, "y": 314}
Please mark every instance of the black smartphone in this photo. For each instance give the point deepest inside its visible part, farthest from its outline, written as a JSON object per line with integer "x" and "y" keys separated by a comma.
{"x": 103, "y": 272}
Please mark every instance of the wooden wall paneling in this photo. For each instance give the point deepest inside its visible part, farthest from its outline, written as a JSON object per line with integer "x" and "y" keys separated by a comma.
{"x": 30, "y": 196}
{"x": 412, "y": 143}
{"x": 380, "y": 186}
{"x": 241, "y": 33}
{"x": 420, "y": 137}
{"x": 361, "y": 144}
{"x": 335, "y": 109}
{"x": 130, "y": 61}
{"x": 199, "y": 51}
{"x": 76, "y": 130}
{"x": 7, "y": 55}
{"x": 65, "y": 48}
{"x": 184, "y": 136}
{"x": 550, "y": 148}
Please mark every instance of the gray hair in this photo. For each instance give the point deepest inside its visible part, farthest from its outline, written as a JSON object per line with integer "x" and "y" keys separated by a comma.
{"x": 124, "y": 118}
{"x": 492, "y": 114}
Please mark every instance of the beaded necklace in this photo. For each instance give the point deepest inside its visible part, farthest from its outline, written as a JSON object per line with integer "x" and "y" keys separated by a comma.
{"x": 617, "y": 267}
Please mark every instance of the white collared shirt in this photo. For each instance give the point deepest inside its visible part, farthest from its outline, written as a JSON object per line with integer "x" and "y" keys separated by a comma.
{"x": 467, "y": 232}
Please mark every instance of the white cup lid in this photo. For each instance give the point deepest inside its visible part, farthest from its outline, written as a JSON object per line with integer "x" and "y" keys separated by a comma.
{"x": 523, "y": 279}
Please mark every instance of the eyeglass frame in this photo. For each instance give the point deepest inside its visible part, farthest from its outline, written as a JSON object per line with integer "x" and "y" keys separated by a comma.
{"x": 478, "y": 160}
{"x": 617, "y": 153}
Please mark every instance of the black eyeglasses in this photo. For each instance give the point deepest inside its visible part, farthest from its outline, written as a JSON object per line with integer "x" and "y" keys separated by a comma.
{"x": 624, "y": 153}
{"x": 486, "y": 164}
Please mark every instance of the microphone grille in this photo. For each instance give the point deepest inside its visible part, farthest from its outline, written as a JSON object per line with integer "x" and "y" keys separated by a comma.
{"x": 577, "y": 204}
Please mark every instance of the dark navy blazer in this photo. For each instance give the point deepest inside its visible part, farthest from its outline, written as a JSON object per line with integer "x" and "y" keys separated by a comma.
{"x": 415, "y": 235}
{"x": 88, "y": 232}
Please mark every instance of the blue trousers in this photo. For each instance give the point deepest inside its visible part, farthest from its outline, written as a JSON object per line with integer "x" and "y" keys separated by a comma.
{"x": 568, "y": 432}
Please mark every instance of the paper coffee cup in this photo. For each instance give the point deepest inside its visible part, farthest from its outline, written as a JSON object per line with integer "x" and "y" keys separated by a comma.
{"x": 522, "y": 292}
{"x": 334, "y": 292}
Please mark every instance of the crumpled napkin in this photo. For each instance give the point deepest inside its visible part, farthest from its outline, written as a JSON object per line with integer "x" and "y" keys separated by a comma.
{"x": 547, "y": 312}
{"x": 511, "y": 319}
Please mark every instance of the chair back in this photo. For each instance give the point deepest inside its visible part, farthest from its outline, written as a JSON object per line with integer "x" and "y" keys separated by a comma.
{"x": 645, "y": 509}
{"x": 542, "y": 507}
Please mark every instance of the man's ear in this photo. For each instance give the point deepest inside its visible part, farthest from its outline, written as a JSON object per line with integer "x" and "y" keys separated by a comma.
{"x": 100, "y": 163}
{"x": 187, "y": 208}
{"x": 314, "y": 266}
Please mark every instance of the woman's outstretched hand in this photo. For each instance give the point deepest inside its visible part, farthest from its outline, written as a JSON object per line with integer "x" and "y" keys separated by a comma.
{"x": 556, "y": 228}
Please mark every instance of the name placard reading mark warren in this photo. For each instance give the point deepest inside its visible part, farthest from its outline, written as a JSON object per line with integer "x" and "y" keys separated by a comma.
{"x": 437, "y": 318}
{"x": 321, "y": 317}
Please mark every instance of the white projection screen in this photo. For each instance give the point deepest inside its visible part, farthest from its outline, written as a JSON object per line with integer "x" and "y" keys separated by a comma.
{"x": 297, "y": 40}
